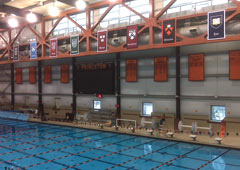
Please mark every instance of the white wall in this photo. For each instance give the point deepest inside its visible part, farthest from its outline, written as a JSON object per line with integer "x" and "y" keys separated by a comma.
{"x": 162, "y": 94}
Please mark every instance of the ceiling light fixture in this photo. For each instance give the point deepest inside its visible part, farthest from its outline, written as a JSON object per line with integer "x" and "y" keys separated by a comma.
{"x": 80, "y": 4}
{"x": 53, "y": 11}
{"x": 31, "y": 18}
{"x": 13, "y": 22}
{"x": 3, "y": 15}
{"x": 41, "y": 3}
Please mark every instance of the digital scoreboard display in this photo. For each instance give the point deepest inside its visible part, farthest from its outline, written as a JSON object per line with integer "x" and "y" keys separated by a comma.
{"x": 96, "y": 78}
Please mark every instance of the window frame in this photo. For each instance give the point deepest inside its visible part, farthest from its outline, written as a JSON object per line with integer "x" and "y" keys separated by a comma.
{"x": 142, "y": 112}
{"x": 100, "y": 105}
{"x": 211, "y": 112}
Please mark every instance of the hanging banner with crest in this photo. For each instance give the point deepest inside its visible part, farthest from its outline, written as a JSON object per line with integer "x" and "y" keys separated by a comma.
{"x": 53, "y": 47}
{"x": 216, "y": 25}
{"x": 102, "y": 41}
{"x": 16, "y": 53}
{"x": 33, "y": 50}
{"x": 132, "y": 36}
{"x": 74, "y": 45}
{"x": 169, "y": 31}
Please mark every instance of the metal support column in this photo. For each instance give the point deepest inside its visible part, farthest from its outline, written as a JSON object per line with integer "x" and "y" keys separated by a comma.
{"x": 74, "y": 95}
{"x": 178, "y": 87}
{"x": 12, "y": 87}
{"x": 40, "y": 103}
{"x": 118, "y": 76}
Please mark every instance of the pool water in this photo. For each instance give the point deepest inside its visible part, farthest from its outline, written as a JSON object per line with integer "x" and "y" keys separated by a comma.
{"x": 35, "y": 146}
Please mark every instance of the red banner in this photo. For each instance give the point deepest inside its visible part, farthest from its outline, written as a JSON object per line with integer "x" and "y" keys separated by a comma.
{"x": 234, "y": 65}
{"x": 19, "y": 75}
{"x": 47, "y": 74}
{"x": 32, "y": 75}
{"x": 196, "y": 67}
{"x": 131, "y": 70}
{"x": 64, "y": 73}
{"x": 132, "y": 36}
{"x": 102, "y": 41}
{"x": 161, "y": 69}
{"x": 53, "y": 47}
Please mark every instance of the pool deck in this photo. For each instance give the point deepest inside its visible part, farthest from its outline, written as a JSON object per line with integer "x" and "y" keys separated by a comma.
{"x": 227, "y": 142}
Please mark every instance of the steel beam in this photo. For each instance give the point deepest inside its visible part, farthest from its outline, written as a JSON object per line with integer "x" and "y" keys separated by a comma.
{"x": 16, "y": 11}
{"x": 118, "y": 80}
{"x": 40, "y": 103}
{"x": 4, "y": 1}
{"x": 74, "y": 91}
{"x": 12, "y": 87}
{"x": 69, "y": 2}
{"x": 178, "y": 86}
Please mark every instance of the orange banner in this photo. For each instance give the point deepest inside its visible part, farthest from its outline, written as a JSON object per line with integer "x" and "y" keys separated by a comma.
{"x": 32, "y": 75}
{"x": 19, "y": 75}
{"x": 131, "y": 70}
{"x": 47, "y": 74}
{"x": 196, "y": 67}
{"x": 234, "y": 65}
{"x": 64, "y": 73}
{"x": 161, "y": 69}
{"x": 223, "y": 129}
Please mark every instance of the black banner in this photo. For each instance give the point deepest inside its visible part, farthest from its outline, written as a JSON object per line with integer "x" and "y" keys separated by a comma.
{"x": 169, "y": 31}
{"x": 216, "y": 25}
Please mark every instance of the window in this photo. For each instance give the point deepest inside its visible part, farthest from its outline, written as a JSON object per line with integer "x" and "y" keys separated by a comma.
{"x": 218, "y": 113}
{"x": 66, "y": 26}
{"x": 120, "y": 15}
{"x": 184, "y": 5}
{"x": 96, "y": 104}
{"x": 147, "y": 109}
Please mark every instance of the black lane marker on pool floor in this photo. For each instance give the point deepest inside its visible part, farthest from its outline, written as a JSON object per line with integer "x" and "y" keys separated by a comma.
{"x": 50, "y": 150}
{"x": 76, "y": 153}
{"x": 117, "y": 152}
{"x": 138, "y": 157}
{"x": 213, "y": 160}
{"x": 180, "y": 156}
{"x": 36, "y": 155}
{"x": 43, "y": 146}
{"x": 109, "y": 153}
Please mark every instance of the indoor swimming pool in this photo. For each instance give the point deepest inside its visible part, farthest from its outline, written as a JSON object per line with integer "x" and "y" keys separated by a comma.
{"x": 36, "y": 146}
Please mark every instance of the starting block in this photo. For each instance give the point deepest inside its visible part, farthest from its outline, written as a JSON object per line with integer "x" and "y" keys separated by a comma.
{"x": 219, "y": 140}
{"x": 150, "y": 131}
{"x": 170, "y": 134}
{"x": 194, "y": 137}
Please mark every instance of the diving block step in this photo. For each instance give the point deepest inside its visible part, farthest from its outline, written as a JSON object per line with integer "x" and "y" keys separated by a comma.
{"x": 219, "y": 140}
{"x": 150, "y": 131}
{"x": 194, "y": 137}
{"x": 170, "y": 134}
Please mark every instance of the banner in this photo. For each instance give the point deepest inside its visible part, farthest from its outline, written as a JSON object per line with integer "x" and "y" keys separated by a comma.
{"x": 74, "y": 41}
{"x": 216, "y": 25}
{"x": 102, "y": 41}
{"x": 131, "y": 70}
{"x": 234, "y": 65}
{"x": 64, "y": 73}
{"x": 161, "y": 69}
{"x": 32, "y": 75}
{"x": 33, "y": 50}
{"x": 19, "y": 75}
{"x": 196, "y": 67}
{"x": 47, "y": 74}
{"x": 132, "y": 36}
{"x": 169, "y": 31}
{"x": 53, "y": 47}
{"x": 16, "y": 53}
